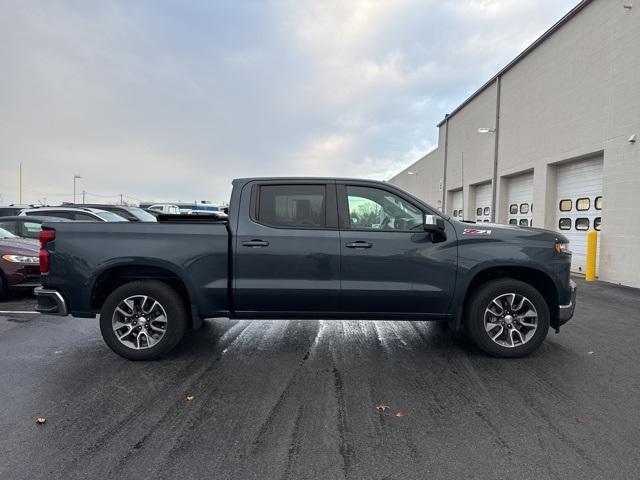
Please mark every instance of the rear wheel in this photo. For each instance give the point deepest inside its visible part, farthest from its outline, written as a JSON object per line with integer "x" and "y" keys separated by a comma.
{"x": 143, "y": 320}
{"x": 507, "y": 318}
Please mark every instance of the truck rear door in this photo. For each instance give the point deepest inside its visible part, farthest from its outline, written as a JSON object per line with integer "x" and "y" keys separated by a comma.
{"x": 287, "y": 248}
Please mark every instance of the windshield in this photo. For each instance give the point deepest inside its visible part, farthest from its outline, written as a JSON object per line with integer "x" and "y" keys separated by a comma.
{"x": 142, "y": 215}
{"x": 111, "y": 217}
{"x": 6, "y": 234}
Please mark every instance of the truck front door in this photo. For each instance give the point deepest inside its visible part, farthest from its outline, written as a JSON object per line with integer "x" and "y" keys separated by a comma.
{"x": 389, "y": 264}
{"x": 287, "y": 250}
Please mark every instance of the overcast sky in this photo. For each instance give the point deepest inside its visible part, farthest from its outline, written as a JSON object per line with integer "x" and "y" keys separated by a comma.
{"x": 170, "y": 101}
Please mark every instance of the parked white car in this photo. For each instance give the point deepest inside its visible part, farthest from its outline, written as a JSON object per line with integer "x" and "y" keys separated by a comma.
{"x": 165, "y": 208}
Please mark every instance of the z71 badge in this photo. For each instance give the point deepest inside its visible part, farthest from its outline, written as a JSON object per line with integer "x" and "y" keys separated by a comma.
{"x": 476, "y": 231}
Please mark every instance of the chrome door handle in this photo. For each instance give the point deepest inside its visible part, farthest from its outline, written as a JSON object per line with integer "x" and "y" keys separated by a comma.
{"x": 359, "y": 244}
{"x": 255, "y": 243}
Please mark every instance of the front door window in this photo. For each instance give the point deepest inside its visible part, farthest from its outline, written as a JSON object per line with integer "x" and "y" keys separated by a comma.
{"x": 376, "y": 209}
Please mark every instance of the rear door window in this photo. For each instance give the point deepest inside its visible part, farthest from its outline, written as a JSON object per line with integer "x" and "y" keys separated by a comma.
{"x": 53, "y": 213}
{"x": 31, "y": 229}
{"x": 83, "y": 217}
{"x": 292, "y": 206}
{"x": 8, "y": 225}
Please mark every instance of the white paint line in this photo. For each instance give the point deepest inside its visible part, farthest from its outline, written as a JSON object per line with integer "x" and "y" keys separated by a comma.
{"x": 12, "y": 312}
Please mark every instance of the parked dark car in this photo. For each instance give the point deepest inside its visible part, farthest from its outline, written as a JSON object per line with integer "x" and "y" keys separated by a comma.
{"x": 18, "y": 263}
{"x": 27, "y": 227}
{"x": 133, "y": 214}
{"x": 10, "y": 210}
{"x": 309, "y": 248}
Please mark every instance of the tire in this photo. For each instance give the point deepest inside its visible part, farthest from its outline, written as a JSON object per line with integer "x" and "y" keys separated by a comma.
{"x": 155, "y": 328}
{"x": 3, "y": 289}
{"x": 511, "y": 326}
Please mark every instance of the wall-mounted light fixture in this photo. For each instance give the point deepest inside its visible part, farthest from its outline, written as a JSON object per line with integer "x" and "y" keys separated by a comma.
{"x": 632, "y": 138}
{"x": 486, "y": 130}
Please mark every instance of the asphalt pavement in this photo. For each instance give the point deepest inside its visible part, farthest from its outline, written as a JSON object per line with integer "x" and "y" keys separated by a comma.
{"x": 297, "y": 400}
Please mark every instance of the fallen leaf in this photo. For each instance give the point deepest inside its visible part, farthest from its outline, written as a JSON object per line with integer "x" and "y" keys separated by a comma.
{"x": 401, "y": 413}
{"x": 382, "y": 408}
{"x": 189, "y": 398}
{"x": 40, "y": 420}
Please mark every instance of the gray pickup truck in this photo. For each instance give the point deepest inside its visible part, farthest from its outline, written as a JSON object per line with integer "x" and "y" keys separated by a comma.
{"x": 313, "y": 248}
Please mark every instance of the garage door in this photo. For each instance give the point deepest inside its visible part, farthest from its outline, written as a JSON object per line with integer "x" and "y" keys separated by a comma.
{"x": 520, "y": 200}
{"x": 483, "y": 203}
{"x": 456, "y": 205}
{"x": 579, "y": 205}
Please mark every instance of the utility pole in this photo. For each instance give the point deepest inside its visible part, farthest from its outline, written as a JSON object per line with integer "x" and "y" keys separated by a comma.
{"x": 20, "y": 202}
{"x": 75, "y": 177}
{"x": 84, "y": 192}
{"x": 121, "y": 203}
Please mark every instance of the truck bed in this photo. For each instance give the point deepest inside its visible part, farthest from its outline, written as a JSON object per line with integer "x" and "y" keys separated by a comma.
{"x": 85, "y": 254}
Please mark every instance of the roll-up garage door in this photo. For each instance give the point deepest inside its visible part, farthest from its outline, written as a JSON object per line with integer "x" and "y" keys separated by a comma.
{"x": 520, "y": 200}
{"x": 456, "y": 205}
{"x": 482, "y": 203}
{"x": 579, "y": 205}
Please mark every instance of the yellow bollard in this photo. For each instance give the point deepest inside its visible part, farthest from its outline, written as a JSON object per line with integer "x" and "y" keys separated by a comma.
{"x": 592, "y": 247}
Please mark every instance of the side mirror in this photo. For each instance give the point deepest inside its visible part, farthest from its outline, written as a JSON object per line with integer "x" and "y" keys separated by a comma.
{"x": 433, "y": 224}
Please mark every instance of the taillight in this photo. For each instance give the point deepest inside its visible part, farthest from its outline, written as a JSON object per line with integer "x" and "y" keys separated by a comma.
{"x": 45, "y": 237}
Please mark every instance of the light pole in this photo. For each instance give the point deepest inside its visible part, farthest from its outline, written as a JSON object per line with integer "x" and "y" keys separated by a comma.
{"x": 75, "y": 177}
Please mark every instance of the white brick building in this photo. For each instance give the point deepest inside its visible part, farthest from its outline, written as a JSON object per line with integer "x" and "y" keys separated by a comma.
{"x": 562, "y": 118}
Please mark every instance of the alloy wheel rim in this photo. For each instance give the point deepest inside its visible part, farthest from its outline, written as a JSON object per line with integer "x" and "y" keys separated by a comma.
{"x": 511, "y": 320}
{"x": 139, "y": 322}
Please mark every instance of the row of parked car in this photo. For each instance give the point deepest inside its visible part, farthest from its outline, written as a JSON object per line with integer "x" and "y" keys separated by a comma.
{"x": 20, "y": 226}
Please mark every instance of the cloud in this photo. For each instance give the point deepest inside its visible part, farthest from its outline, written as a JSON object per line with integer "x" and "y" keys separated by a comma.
{"x": 171, "y": 100}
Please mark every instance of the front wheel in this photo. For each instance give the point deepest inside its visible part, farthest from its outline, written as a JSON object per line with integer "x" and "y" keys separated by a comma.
{"x": 507, "y": 318}
{"x": 143, "y": 320}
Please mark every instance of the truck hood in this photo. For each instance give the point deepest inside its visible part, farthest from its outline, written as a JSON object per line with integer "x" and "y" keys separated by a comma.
{"x": 495, "y": 231}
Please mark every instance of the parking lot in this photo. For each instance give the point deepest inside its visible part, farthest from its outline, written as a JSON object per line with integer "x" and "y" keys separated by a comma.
{"x": 297, "y": 399}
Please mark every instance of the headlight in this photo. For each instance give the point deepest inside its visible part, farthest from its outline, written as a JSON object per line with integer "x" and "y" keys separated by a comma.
{"x": 562, "y": 247}
{"x": 20, "y": 259}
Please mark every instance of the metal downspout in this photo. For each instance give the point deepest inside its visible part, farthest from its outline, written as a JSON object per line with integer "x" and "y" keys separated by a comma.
{"x": 494, "y": 182}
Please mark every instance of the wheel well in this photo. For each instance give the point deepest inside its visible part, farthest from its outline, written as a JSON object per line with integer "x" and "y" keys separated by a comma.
{"x": 113, "y": 278}
{"x": 539, "y": 280}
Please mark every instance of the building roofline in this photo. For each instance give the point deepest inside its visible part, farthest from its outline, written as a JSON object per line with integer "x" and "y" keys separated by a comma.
{"x": 556, "y": 26}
